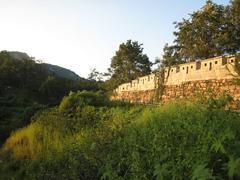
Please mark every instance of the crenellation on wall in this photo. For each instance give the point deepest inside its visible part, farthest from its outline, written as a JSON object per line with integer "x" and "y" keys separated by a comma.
{"x": 186, "y": 90}
{"x": 142, "y": 83}
{"x": 214, "y": 68}
{"x": 184, "y": 81}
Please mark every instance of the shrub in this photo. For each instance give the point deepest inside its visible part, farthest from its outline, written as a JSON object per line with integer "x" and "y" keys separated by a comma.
{"x": 75, "y": 101}
{"x": 181, "y": 140}
{"x": 177, "y": 141}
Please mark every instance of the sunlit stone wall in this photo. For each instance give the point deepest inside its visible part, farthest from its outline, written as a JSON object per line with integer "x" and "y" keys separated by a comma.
{"x": 214, "y": 68}
{"x": 184, "y": 81}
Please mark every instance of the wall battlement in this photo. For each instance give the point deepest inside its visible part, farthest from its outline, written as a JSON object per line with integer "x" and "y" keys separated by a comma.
{"x": 209, "y": 69}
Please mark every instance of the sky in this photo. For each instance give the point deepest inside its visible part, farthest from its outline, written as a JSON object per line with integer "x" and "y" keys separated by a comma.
{"x": 84, "y": 34}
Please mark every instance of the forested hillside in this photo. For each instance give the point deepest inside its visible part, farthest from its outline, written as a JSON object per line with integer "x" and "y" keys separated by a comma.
{"x": 51, "y": 69}
{"x": 27, "y": 86}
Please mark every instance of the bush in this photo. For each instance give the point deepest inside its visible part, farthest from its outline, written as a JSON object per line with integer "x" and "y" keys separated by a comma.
{"x": 180, "y": 141}
{"x": 87, "y": 139}
{"x": 75, "y": 101}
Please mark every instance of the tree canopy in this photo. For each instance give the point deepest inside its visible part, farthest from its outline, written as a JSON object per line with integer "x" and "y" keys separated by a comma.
{"x": 129, "y": 63}
{"x": 211, "y": 31}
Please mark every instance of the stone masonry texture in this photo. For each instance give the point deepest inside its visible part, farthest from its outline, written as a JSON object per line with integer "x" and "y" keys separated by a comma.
{"x": 218, "y": 79}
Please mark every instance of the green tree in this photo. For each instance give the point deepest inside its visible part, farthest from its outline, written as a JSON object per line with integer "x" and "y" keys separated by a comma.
{"x": 211, "y": 31}
{"x": 53, "y": 89}
{"x": 128, "y": 63}
{"x": 94, "y": 75}
{"x": 234, "y": 28}
{"x": 171, "y": 56}
{"x": 201, "y": 35}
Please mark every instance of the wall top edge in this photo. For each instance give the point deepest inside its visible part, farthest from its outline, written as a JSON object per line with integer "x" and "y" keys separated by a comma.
{"x": 181, "y": 65}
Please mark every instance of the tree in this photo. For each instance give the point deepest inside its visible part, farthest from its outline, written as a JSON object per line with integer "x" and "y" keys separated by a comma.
{"x": 94, "y": 75}
{"x": 200, "y": 36}
{"x": 171, "y": 56}
{"x": 234, "y": 31}
{"x": 53, "y": 89}
{"x": 211, "y": 31}
{"x": 128, "y": 63}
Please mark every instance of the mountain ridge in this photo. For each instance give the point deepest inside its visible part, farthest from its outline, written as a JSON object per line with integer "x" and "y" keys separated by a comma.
{"x": 53, "y": 69}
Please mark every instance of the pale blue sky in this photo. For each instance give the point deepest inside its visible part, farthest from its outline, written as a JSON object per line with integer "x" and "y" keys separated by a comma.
{"x": 84, "y": 34}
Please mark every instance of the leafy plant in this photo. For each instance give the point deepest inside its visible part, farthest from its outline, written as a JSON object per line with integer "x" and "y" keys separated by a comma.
{"x": 200, "y": 172}
{"x": 233, "y": 167}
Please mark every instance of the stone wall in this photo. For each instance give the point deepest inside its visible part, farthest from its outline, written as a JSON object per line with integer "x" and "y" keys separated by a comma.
{"x": 140, "y": 84}
{"x": 184, "y": 81}
{"x": 185, "y": 90}
{"x": 215, "y": 68}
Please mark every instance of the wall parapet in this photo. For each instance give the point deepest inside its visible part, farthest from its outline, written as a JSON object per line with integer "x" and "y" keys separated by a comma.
{"x": 186, "y": 90}
{"x": 217, "y": 68}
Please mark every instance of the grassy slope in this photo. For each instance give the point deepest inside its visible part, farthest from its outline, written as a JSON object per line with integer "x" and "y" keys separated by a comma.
{"x": 180, "y": 140}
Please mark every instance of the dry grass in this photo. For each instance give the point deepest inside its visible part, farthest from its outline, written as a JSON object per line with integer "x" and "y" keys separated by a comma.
{"x": 29, "y": 142}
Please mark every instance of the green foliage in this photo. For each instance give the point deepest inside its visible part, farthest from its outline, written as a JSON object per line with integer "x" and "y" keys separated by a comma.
{"x": 14, "y": 114}
{"x": 61, "y": 72}
{"x": 234, "y": 28}
{"x": 161, "y": 172}
{"x": 53, "y": 89}
{"x": 94, "y": 75}
{"x": 56, "y": 145}
{"x": 202, "y": 173}
{"x": 170, "y": 56}
{"x": 211, "y": 31}
{"x": 129, "y": 63}
{"x": 194, "y": 34}
{"x": 75, "y": 101}
{"x": 27, "y": 86}
{"x": 88, "y": 137}
{"x": 175, "y": 138}
{"x": 234, "y": 167}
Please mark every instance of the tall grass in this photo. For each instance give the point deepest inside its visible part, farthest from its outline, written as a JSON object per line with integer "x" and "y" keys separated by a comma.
{"x": 181, "y": 140}
{"x": 27, "y": 143}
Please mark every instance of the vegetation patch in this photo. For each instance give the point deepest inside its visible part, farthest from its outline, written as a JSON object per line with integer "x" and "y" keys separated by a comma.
{"x": 82, "y": 139}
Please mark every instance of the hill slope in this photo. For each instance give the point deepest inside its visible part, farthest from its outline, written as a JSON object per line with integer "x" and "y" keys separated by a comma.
{"x": 27, "y": 87}
{"x": 53, "y": 69}
{"x": 62, "y": 72}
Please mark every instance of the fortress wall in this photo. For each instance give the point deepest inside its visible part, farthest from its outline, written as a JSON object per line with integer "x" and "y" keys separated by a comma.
{"x": 185, "y": 81}
{"x": 185, "y": 90}
{"x": 142, "y": 83}
{"x": 146, "y": 82}
{"x": 214, "y": 68}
